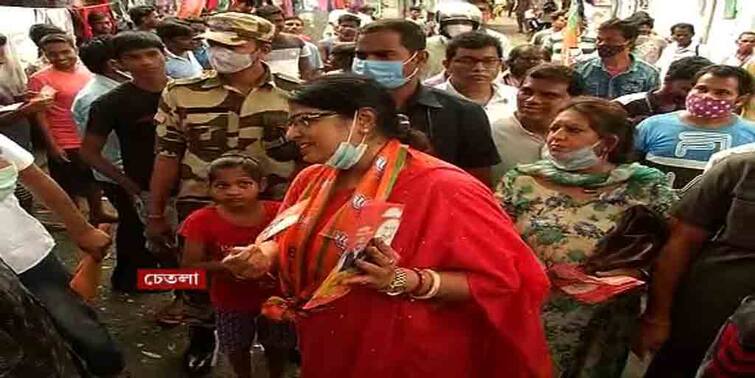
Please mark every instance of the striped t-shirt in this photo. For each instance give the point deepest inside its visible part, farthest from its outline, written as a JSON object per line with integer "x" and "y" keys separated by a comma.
{"x": 587, "y": 45}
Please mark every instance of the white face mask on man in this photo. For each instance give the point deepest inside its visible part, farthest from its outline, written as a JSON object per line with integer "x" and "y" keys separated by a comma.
{"x": 225, "y": 60}
{"x": 456, "y": 29}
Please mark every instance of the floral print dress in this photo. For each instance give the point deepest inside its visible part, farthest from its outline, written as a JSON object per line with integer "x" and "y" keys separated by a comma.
{"x": 586, "y": 340}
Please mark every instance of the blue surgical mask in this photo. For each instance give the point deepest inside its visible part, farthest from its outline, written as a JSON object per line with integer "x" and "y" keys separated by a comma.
{"x": 348, "y": 155}
{"x": 8, "y": 178}
{"x": 390, "y": 74}
{"x": 576, "y": 160}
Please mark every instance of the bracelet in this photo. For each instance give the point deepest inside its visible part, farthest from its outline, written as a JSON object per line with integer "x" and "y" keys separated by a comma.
{"x": 398, "y": 283}
{"x": 434, "y": 288}
{"x": 421, "y": 279}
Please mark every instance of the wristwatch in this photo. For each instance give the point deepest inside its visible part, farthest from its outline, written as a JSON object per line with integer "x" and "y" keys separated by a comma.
{"x": 398, "y": 283}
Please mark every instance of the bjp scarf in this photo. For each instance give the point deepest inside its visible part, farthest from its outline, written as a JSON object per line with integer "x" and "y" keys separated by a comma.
{"x": 305, "y": 260}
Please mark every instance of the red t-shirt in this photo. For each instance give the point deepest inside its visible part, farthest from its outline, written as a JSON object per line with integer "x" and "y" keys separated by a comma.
{"x": 218, "y": 235}
{"x": 59, "y": 116}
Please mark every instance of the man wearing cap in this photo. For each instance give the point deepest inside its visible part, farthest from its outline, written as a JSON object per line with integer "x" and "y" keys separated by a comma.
{"x": 240, "y": 108}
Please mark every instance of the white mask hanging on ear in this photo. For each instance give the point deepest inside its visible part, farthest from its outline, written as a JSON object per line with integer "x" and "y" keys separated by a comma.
{"x": 348, "y": 155}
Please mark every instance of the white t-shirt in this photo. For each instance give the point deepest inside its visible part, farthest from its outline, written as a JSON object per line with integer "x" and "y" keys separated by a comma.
{"x": 24, "y": 242}
{"x": 515, "y": 144}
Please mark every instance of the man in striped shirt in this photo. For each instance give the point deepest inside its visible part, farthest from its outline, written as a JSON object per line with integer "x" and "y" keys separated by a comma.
{"x": 554, "y": 45}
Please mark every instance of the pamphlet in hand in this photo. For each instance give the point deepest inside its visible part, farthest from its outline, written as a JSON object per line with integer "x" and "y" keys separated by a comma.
{"x": 570, "y": 279}
{"x": 376, "y": 219}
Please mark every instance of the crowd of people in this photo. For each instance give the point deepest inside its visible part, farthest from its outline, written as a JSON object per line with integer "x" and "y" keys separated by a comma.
{"x": 243, "y": 146}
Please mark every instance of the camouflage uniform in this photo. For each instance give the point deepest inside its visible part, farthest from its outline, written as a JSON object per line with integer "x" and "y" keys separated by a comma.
{"x": 201, "y": 119}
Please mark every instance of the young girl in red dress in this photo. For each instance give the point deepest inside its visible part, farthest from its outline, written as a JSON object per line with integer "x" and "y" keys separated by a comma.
{"x": 235, "y": 219}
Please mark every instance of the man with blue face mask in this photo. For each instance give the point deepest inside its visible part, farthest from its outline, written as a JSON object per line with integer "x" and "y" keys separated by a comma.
{"x": 393, "y": 53}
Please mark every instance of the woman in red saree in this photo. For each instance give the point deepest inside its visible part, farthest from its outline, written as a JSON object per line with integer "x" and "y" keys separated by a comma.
{"x": 456, "y": 294}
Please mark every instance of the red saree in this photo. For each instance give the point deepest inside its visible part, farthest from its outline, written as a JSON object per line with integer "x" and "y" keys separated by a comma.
{"x": 451, "y": 222}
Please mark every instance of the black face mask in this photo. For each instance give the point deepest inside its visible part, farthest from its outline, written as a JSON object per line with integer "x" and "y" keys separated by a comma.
{"x": 607, "y": 51}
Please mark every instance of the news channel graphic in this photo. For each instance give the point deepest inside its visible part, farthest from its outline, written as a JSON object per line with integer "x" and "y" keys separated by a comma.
{"x": 172, "y": 279}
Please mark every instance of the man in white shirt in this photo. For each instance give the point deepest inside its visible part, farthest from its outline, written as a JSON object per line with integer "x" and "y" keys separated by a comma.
{"x": 520, "y": 136}
{"x": 27, "y": 248}
{"x": 744, "y": 54}
{"x": 289, "y": 54}
{"x": 558, "y": 23}
{"x": 473, "y": 61}
{"x": 682, "y": 47}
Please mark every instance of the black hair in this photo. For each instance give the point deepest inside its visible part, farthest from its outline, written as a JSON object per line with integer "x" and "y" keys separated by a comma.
{"x": 486, "y": 2}
{"x": 607, "y": 118}
{"x": 641, "y": 18}
{"x": 686, "y": 68}
{"x": 518, "y": 51}
{"x": 415, "y": 7}
{"x": 268, "y": 11}
{"x": 472, "y": 40}
{"x": 96, "y": 53}
{"x": 3, "y": 40}
{"x": 251, "y": 166}
{"x": 743, "y": 77}
{"x": 138, "y": 13}
{"x": 96, "y": 16}
{"x": 39, "y": 31}
{"x": 683, "y": 25}
{"x": 628, "y": 29}
{"x": 558, "y": 73}
{"x": 412, "y": 36}
{"x": 742, "y": 34}
{"x": 557, "y": 14}
{"x": 167, "y": 30}
{"x": 294, "y": 17}
{"x": 135, "y": 40}
{"x": 56, "y": 38}
{"x": 346, "y": 93}
{"x": 348, "y": 17}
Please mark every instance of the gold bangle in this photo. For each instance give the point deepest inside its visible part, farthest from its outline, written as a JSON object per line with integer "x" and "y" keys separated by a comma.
{"x": 434, "y": 288}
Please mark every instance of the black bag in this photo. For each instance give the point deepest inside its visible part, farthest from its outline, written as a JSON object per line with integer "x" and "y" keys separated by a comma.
{"x": 634, "y": 242}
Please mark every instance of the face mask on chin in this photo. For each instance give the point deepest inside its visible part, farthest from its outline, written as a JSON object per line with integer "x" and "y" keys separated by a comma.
{"x": 389, "y": 74}
{"x": 225, "y": 60}
{"x": 576, "y": 160}
{"x": 348, "y": 155}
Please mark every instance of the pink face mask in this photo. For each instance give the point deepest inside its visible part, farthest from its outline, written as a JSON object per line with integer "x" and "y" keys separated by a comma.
{"x": 704, "y": 107}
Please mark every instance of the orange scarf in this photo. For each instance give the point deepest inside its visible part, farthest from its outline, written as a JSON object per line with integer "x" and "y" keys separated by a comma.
{"x": 305, "y": 260}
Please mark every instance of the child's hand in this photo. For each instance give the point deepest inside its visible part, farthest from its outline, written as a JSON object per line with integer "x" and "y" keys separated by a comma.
{"x": 248, "y": 262}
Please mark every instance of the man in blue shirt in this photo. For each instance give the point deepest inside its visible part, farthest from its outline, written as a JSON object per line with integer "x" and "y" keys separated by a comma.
{"x": 616, "y": 72}
{"x": 681, "y": 143}
{"x": 179, "y": 41}
{"x": 96, "y": 56}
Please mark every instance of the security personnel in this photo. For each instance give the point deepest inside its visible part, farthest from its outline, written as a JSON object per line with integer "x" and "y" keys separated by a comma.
{"x": 238, "y": 108}
{"x": 454, "y": 18}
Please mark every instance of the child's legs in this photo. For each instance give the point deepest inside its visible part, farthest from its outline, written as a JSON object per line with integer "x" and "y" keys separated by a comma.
{"x": 235, "y": 335}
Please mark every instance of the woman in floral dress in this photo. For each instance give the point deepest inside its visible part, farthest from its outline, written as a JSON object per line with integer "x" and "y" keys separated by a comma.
{"x": 563, "y": 206}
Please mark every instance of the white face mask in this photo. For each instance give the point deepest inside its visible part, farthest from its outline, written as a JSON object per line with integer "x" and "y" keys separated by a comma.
{"x": 225, "y": 60}
{"x": 456, "y": 29}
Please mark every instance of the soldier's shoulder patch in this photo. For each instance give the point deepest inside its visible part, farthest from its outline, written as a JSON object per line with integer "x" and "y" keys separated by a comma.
{"x": 287, "y": 82}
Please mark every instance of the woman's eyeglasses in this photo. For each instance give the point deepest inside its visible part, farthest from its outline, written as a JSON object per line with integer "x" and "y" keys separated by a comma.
{"x": 302, "y": 120}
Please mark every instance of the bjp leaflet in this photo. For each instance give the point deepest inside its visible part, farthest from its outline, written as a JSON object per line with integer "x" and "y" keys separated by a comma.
{"x": 376, "y": 219}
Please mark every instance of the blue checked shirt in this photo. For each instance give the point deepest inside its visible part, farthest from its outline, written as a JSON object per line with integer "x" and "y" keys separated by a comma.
{"x": 640, "y": 77}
